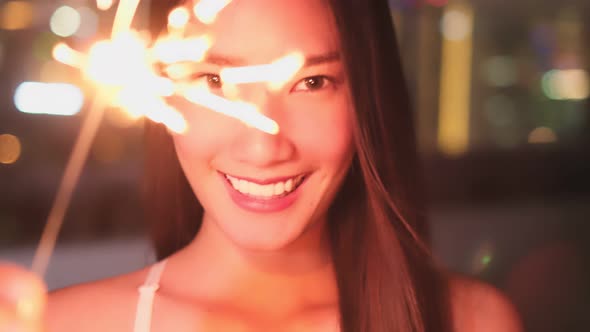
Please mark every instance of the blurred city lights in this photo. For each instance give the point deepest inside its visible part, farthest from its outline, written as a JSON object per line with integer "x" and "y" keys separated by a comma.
{"x": 88, "y": 23}
{"x": 16, "y": 15}
{"x": 500, "y": 71}
{"x": 65, "y": 21}
{"x": 10, "y": 149}
{"x": 571, "y": 84}
{"x": 456, "y": 23}
{"x": 482, "y": 258}
{"x": 48, "y": 98}
{"x": 104, "y": 4}
{"x": 542, "y": 135}
{"x": 206, "y": 10}
{"x": 178, "y": 18}
{"x": 455, "y": 85}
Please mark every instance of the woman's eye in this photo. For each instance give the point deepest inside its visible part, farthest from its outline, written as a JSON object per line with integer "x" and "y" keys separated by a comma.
{"x": 312, "y": 83}
{"x": 213, "y": 81}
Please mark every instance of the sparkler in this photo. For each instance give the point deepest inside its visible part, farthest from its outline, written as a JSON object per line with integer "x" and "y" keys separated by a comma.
{"x": 118, "y": 64}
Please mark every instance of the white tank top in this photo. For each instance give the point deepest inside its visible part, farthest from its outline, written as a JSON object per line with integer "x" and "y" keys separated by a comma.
{"x": 147, "y": 291}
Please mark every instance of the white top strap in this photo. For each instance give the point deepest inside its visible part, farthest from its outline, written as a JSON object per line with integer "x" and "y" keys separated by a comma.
{"x": 143, "y": 315}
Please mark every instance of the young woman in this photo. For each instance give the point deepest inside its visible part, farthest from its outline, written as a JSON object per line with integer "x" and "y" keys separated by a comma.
{"x": 317, "y": 228}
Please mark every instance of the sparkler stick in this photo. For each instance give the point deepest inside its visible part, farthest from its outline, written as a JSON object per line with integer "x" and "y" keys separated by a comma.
{"x": 123, "y": 18}
{"x": 67, "y": 185}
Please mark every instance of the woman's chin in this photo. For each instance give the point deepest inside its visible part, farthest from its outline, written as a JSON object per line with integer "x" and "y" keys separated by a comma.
{"x": 261, "y": 239}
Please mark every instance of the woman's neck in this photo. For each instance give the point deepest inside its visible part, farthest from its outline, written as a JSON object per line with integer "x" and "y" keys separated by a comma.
{"x": 295, "y": 276}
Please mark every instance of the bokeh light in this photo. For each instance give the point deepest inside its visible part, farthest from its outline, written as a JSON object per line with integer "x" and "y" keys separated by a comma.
{"x": 16, "y": 15}
{"x": 456, "y": 24}
{"x": 88, "y": 23}
{"x": 482, "y": 258}
{"x": 65, "y": 21}
{"x": 571, "y": 84}
{"x": 542, "y": 135}
{"x": 48, "y": 98}
{"x": 104, "y": 4}
{"x": 500, "y": 71}
{"x": 10, "y": 149}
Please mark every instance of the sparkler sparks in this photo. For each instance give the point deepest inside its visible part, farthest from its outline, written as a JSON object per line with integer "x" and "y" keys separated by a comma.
{"x": 68, "y": 56}
{"x": 206, "y": 10}
{"x": 245, "y": 112}
{"x": 178, "y": 18}
{"x": 123, "y": 70}
{"x": 275, "y": 74}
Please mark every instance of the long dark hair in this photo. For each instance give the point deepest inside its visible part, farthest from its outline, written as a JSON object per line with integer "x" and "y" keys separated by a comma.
{"x": 387, "y": 279}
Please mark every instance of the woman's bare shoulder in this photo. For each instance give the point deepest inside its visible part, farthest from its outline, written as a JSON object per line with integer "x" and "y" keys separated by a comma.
{"x": 95, "y": 306}
{"x": 480, "y": 307}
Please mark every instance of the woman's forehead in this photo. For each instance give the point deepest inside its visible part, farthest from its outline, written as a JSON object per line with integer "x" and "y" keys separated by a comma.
{"x": 260, "y": 31}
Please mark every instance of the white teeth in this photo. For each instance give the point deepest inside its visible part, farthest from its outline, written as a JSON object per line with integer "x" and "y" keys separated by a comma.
{"x": 279, "y": 188}
{"x": 289, "y": 185}
{"x": 243, "y": 186}
{"x": 268, "y": 190}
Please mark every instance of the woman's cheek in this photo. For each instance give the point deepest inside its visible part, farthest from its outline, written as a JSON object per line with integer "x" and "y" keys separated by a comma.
{"x": 326, "y": 130}
{"x": 206, "y": 131}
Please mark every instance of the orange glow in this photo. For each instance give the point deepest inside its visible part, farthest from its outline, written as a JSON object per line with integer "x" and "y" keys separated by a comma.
{"x": 16, "y": 15}
{"x": 206, "y": 10}
{"x": 276, "y": 74}
{"x": 542, "y": 135}
{"x": 171, "y": 50}
{"x": 245, "y": 112}
{"x": 10, "y": 149}
{"x": 68, "y": 56}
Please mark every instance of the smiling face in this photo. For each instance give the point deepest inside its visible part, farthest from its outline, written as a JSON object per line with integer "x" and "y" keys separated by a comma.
{"x": 265, "y": 191}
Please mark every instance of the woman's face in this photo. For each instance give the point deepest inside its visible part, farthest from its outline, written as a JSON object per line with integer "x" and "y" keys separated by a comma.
{"x": 265, "y": 191}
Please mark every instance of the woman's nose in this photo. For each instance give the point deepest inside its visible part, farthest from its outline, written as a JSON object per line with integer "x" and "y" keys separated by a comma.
{"x": 258, "y": 148}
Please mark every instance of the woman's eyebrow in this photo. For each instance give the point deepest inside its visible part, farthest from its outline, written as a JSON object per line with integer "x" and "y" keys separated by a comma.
{"x": 321, "y": 59}
{"x": 313, "y": 60}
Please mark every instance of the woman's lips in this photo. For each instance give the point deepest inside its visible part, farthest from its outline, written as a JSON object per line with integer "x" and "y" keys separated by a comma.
{"x": 263, "y": 204}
